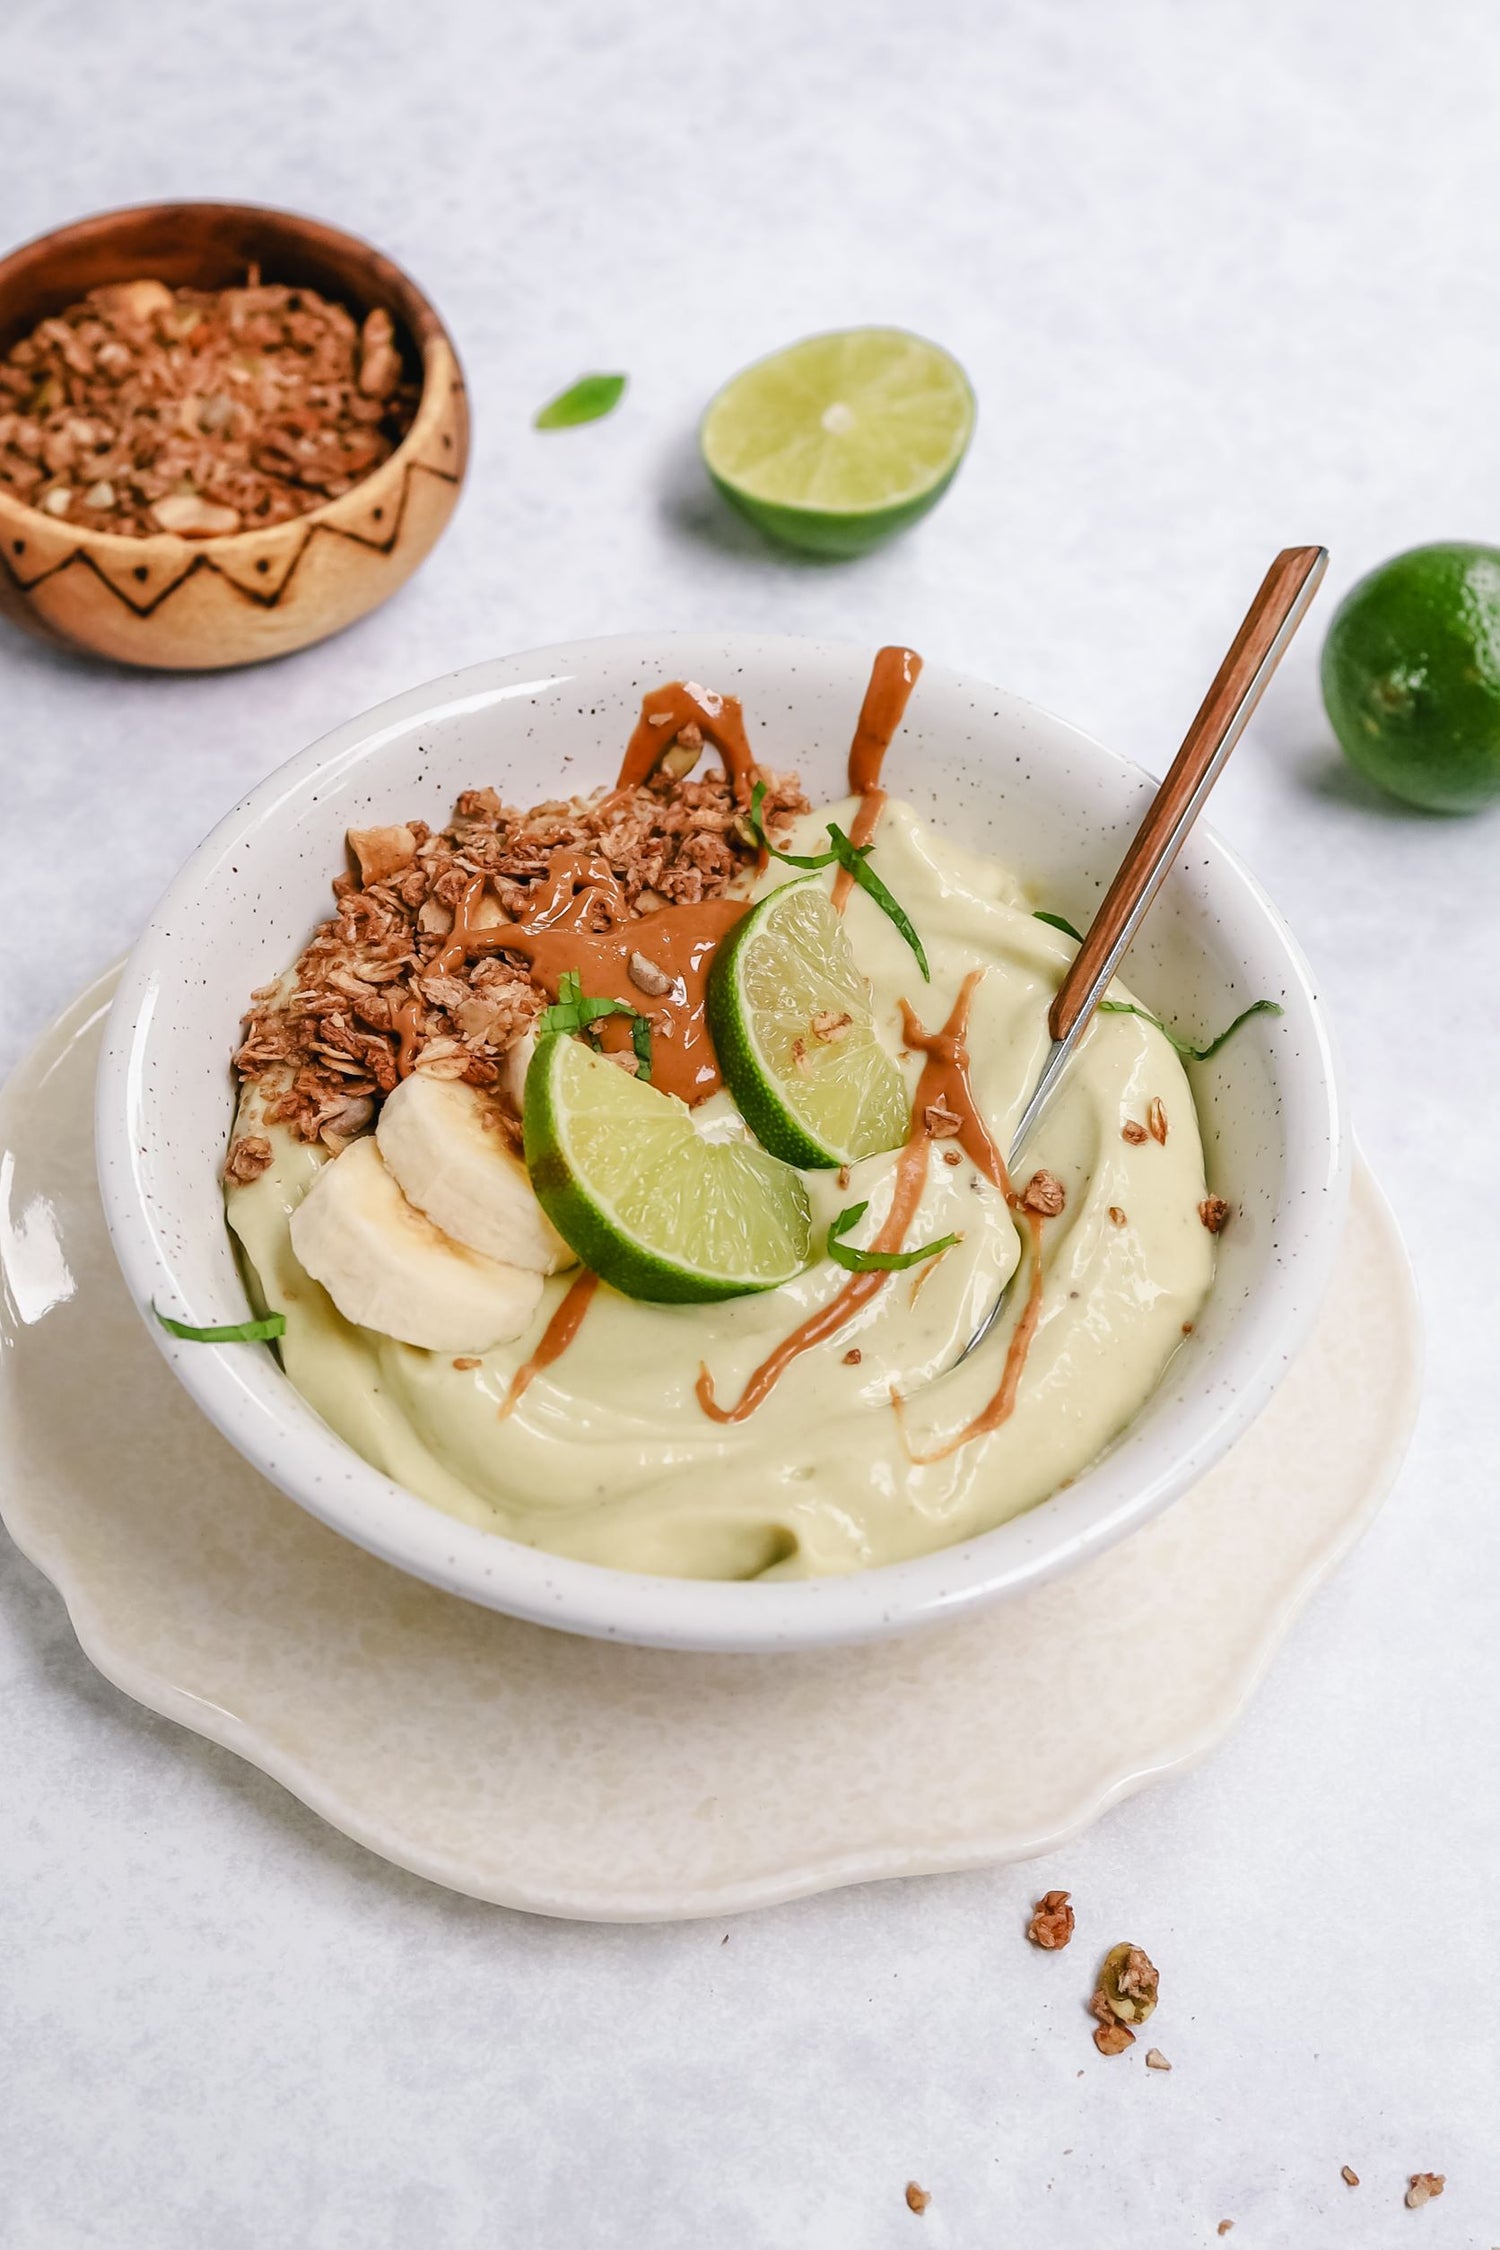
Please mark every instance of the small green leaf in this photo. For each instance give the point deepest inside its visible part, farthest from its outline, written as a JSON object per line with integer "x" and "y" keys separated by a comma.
{"x": 1059, "y": 922}
{"x": 855, "y": 859}
{"x": 758, "y": 829}
{"x": 1185, "y": 1046}
{"x": 575, "y": 1010}
{"x": 238, "y": 1332}
{"x": 850, "y": 856}
{"x": 587, "y": 400}
{"x": 876, "y": 1261}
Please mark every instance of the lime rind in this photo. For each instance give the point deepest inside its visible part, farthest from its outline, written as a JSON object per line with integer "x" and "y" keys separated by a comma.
{"x": 811, "y": 1101}
{"x": 642, "y": 1198}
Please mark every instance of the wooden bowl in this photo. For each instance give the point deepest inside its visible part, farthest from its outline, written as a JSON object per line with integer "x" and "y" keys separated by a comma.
{"x": 201, "y": 604}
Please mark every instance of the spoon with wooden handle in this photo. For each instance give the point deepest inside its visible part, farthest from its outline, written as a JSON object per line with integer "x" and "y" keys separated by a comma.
{"x": 1285, "y": 596}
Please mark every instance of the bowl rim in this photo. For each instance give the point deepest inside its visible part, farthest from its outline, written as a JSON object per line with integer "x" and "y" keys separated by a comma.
{"x": 428, "y": 331}
{"x": 320, "y": 1471}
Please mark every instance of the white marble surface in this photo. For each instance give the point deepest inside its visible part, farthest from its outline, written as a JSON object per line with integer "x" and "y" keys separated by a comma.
{"x": 1224, "y": 277}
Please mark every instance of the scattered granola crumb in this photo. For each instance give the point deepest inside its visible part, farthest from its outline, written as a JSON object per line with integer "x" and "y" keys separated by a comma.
{"x": 830, "y": 1025}
{"x": 1116, "y": 1215}
{"x": 1156, "y": 2060}
{"x": 1044, "y": 1194}
{"x": 1156, "y": 1119}
{"x": 1348, "y": 2174}
{"x": 917, "y": 2198}
{"x": 1113, "y": 2038}
{"x": 952, "y": 1156}
{"x": 1424, "y": 2186}
{"x": 853, "y": 1356}
{"x": 1213, "y": 1211}
{"x": 466, "y": 1363}
{"x": 1226, "y": 2226}
{"x": 247, "y": 1158}
{"x": 1051, "y": 1925}
{"x": 943, "y": 1124}
{"x": 1132, "y": 1132}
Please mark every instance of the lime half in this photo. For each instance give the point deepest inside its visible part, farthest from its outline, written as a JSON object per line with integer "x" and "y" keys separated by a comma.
{"x": 792, "y": 1028}
{"x": 633, "y": 1187}
{"x": 836, "y": 442}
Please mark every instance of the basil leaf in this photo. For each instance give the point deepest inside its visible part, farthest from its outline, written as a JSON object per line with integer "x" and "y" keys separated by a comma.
{"x": 575, "y": 1010}
{"x": 237, "y": 1332}
{"x": 1059, "y": 922}
{"x": 757, "y": 828}
{"x": 854, "y": 858}
{"x": 1185, "y": 1046}
{"x": 587, "y": 400}
{"x": 876, "y": 1261}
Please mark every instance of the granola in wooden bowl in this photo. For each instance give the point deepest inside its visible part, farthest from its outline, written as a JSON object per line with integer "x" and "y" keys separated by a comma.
{"x": 225, "y": 432}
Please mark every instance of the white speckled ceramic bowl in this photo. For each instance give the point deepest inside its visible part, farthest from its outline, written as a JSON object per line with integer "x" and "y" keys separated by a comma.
{"x": 982, "y": 764}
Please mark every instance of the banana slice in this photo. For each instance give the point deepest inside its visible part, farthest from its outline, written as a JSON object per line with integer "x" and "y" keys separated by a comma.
{"x": 448, "y": 1157}
{"x": 387, "y": 1267}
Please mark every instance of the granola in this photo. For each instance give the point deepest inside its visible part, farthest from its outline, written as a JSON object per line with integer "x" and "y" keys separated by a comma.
{"x": 368, "y": 1000}
{"x": 1051, "y": 1925}
{"x": 144, "y": 409}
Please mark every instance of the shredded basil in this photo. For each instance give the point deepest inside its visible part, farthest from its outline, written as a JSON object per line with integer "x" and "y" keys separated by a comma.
{"x": 1184, "y": 1046}
{"x": 853, "y": 858}
{"x": 575, "y": 1010}
{"x": 876, "y": 1261}
{"x": 1128, "y": 1007}
{"x": 238, "y": 1332}
{"x": 587, "y": 400}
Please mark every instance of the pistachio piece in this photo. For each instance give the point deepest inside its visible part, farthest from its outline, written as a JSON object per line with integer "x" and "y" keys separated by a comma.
{"x": 1127, "y": 1984}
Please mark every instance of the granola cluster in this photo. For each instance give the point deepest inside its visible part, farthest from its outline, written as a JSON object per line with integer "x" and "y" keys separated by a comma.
{"x": 202, "y": 412}
{"x": 324, "y": 1045}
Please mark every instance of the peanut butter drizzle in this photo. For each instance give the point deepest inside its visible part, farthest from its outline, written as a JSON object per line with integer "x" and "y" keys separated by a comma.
{"x": 557, "y": 934}
{"x": 944, "y": 1083}
{"x": 407, "y": 1021}
{"x": 1002, "y": 1405}
{"x": 893, "y": 675}
{"x": 556, "y": 1337}
{"x": 665, "y": 711}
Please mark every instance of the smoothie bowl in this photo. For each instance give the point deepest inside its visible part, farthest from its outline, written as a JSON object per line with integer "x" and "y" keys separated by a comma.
{"x": 590, "y": 1075}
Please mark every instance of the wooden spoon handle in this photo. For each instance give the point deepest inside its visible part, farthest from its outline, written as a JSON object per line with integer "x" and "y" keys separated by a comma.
{"x": 1272, "y": 618}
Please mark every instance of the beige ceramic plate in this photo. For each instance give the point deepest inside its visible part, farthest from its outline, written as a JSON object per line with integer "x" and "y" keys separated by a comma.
{"x": 572, "y": 1777}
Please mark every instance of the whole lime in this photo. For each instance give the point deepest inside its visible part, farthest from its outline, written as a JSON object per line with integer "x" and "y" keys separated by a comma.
{"x": 1411, "y": 676}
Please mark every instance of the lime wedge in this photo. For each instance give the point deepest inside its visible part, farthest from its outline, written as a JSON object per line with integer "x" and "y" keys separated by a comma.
{"x": 836, "y": 442}
{"x": 792, "y": 1028}
{"x": 633, "y": 1187}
